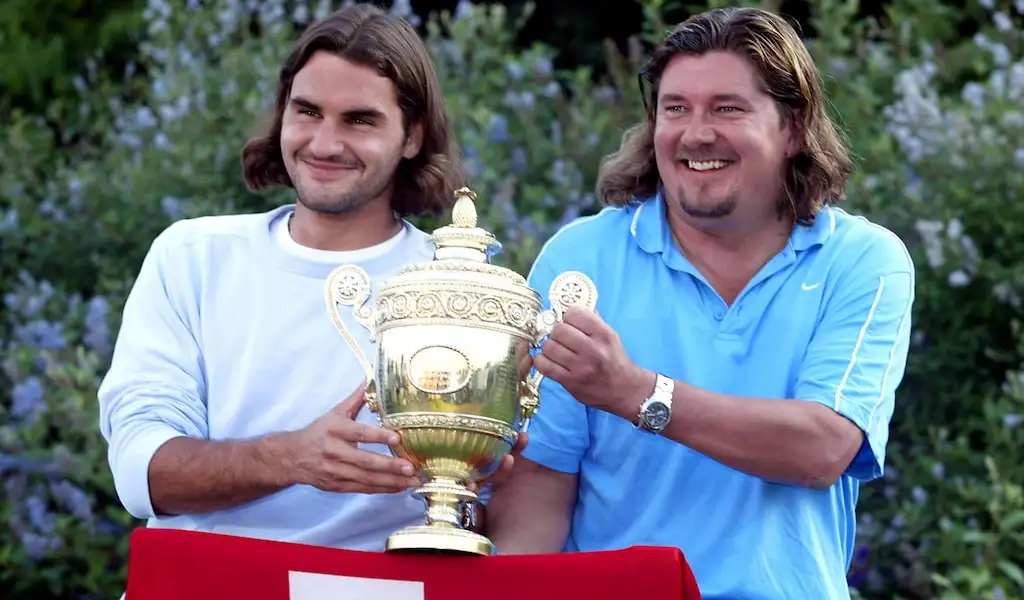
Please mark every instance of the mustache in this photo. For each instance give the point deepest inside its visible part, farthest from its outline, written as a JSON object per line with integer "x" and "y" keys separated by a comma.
{"x": 336, "y": 159}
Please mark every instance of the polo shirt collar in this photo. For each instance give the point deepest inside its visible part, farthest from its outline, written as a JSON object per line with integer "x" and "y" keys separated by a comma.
{"x": 650, "y": 226}
{"x": 817, "y": 233}
{"x": 652, "y": 234}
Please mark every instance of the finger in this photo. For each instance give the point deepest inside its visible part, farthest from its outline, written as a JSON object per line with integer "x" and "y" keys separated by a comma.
{"x": 550, "y": 369}
{"x": 585, "y": 320}
{"x": 521, "y": 442}
{"x": 372, "y": 461}
{"x": 559, "y": 354}
{"x": 507, "y": 464}
{"x": 358, "y": 488}
{"x": 355, "y": 487}
{"x": 345, "y": 472}
{"x": 570, "y": 336}
{"x": 351, "y": 406}
{"x": 362, "y": 433}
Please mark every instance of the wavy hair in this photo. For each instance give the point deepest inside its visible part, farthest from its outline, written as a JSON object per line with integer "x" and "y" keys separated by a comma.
{"x": 366, "y": 35}
{"x": 815, "y": 176}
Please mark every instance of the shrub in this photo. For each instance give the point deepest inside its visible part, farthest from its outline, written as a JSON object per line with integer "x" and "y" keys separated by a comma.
{"x": 938, "y": 127}
{"x": 935, "y": 122}
{"x": 77, "y": 222}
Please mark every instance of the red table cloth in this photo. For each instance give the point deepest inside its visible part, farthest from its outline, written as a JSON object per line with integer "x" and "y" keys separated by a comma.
{"x": 185, "y": 565}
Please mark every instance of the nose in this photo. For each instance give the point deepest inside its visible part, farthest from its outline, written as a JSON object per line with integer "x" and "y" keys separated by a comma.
{"x": 698, "y": 131}
{"x": 327, "y": 141}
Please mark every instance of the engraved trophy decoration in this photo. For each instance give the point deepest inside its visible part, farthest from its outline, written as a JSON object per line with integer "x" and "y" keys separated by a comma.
{"x": 452, "y": 375}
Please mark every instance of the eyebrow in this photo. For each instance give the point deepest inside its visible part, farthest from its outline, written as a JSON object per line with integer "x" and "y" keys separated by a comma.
{"x": 357, "y": 113}
{"x": 673, "y": 97}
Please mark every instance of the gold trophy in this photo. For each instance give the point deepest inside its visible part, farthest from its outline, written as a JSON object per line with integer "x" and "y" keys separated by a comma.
{"x": 452, "y": 375}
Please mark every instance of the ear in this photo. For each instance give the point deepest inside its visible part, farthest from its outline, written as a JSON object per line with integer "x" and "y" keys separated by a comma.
{"x": 413, "y": 141}
{"x": 795, "y": 142}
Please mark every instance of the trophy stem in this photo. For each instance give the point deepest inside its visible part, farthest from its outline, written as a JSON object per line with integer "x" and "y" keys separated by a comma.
{"x": 442, "y": 532}
{"x": 445, "y": 498}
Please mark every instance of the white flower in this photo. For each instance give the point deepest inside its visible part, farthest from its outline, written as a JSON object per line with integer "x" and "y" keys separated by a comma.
{"x": 959, "y": 278}
{"x": 1005, "y": 293}
{"x": 1002, "y": 21}
{"x": 929, "y": 232}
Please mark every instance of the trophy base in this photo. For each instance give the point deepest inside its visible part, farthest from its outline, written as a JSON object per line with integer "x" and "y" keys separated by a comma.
{"x": 440, "y": 540}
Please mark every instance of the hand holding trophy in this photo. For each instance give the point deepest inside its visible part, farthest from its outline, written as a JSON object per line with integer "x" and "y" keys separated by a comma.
{"x": 452, "y": 374}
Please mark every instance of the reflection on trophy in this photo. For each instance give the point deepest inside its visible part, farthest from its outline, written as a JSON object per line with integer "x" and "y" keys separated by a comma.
{"x": 452, "y": 374}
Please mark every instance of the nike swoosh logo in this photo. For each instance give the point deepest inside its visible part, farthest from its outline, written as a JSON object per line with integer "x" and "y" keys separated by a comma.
{"x": 808, "y": 288}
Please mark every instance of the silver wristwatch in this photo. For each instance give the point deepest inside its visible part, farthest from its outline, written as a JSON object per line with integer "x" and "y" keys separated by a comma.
{"x": 656, "y": 411}
{"x": 470, "y": 516}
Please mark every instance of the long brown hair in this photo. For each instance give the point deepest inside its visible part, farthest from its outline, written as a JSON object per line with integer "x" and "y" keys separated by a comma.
{"x": 815, "y": 177}
{"x": 365, "y": 34}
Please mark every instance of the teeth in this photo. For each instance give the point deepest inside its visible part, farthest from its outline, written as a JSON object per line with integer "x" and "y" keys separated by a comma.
{"x": 706, "y": 165}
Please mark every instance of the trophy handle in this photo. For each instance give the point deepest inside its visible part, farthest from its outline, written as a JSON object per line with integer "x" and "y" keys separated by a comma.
{"x": 571, "y": 288}
{"x": 373, "y": 402}
{"x": 349, "y": 285}
{"x": 529, "y": 399}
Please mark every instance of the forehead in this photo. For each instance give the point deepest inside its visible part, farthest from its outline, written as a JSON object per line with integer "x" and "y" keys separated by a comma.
{"x": 337, "y": 84}
{"x": 712, "y": 74}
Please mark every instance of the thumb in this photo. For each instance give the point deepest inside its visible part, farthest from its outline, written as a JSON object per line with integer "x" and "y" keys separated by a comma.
{"x": 350, "y": 406}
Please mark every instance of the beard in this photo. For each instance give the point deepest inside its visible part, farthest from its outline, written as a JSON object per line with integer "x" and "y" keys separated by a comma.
{"x": 335, "y": 199}
{"x": 708, "y": 209}
{"x": 322, "y": 200}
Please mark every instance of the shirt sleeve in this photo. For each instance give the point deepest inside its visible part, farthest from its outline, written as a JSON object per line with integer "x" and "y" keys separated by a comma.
{"x": 155, "y": 388}
{"x": 857, "y": 357}
{"x": 559, "y": 431}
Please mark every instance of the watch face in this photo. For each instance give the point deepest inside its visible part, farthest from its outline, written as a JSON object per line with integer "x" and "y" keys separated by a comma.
{"x": 656, "y": 415}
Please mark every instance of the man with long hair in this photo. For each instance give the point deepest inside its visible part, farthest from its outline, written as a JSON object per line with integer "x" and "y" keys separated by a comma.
{"x": 735, "y": 384}
{"x": 221, "y": 406}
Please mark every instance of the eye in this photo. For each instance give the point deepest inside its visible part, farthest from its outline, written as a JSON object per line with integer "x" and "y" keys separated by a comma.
{"x": 730, "y": 109}
{"x": 360, "y": 121}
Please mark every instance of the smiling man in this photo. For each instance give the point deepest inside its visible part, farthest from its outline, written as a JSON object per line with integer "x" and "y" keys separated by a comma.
{"x": 735, "y": 385}
{"x": 232, "y": 404}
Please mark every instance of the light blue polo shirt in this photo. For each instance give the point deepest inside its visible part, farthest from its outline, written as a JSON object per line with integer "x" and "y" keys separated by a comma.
{"x": 826, "y": 320}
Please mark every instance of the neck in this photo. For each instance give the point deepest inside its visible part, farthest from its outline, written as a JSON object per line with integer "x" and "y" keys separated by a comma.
{"x": 366, "y": 226}
{"x": 729, "y": 255}
{"x": 763, "y": 238}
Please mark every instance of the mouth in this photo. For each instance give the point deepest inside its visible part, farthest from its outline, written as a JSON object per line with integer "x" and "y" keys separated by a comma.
{"x": 706, "y": 166}
{"x": 327, "y": 168}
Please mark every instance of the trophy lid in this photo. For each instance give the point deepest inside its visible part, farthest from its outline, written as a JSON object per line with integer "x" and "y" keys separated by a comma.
{"x": 463, "y": 247}
{"x": 463, "y": 239}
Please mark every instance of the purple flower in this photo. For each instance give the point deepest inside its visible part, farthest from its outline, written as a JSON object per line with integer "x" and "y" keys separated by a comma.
{"x": 572, "y": 212}
{"x": 498, "y": 129}
{"x": 520, "y": 160}
{"x": 39, "y": 516}
{"x": 27, "y": 399}
{"x": 42, "y": 334}
{"x": 544, "y": 65}
{"x": 97, "y": 330}
{"x": 73, "y": 498}
{"x": 37, "y": 546}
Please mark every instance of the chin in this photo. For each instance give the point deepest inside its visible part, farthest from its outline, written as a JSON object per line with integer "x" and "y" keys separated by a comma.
{"x": 708, "y": 208}
{"x": 337, "y": 203}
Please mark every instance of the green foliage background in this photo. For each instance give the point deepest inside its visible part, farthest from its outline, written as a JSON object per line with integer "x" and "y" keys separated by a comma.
{"x": 134, "y": 117}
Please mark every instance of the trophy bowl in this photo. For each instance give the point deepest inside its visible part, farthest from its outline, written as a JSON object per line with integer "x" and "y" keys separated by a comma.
{"x": 452, "y": 373}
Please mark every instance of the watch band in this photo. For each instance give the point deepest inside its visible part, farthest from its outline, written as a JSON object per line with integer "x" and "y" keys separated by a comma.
{"x": 662, "y": 395}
